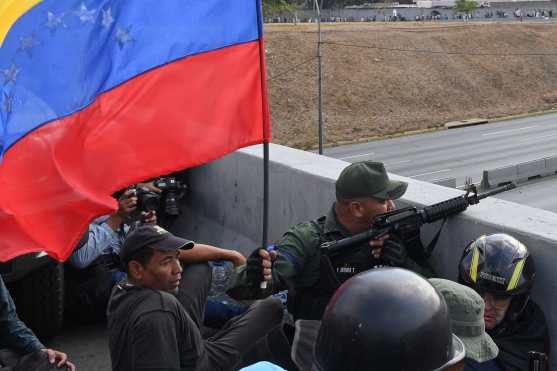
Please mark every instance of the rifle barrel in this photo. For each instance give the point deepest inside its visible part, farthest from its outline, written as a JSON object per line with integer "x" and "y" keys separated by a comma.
{"x": 494, "y": 191}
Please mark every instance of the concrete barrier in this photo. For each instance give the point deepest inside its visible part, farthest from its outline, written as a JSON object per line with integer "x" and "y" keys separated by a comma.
{"x": 224, "y": 207}
{"x": 531, "y": 169}
{"x": 551, "y": 163}
{"x": 520, "y": 172}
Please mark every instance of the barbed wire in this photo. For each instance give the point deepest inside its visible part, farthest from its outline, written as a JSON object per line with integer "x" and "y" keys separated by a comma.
{"x": 290, "y": 69}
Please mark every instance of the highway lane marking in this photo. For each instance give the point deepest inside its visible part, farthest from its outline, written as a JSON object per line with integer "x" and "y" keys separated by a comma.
{"x": 431, "y": 172}
{"x": 396, "y": 162}
{"x": 509, "y": 131}
{"x": 536, "y": 138}
{"x": 356, "y": 156}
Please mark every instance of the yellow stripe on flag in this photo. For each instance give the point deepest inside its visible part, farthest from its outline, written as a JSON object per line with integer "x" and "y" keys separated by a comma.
{"x": 10, "y": 12}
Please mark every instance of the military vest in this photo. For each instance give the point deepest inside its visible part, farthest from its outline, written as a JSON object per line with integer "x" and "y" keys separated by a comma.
{"x": 310, "y": 303}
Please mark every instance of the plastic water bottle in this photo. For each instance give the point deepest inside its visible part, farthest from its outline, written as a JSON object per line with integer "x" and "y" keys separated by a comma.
{"x": 221, "y": 278}
{"x": 283, "y": 297}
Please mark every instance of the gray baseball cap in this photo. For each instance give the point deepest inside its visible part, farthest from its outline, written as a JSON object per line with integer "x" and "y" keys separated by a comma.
{"x": 466, "y": 310}
{"x": 368, "y": 179}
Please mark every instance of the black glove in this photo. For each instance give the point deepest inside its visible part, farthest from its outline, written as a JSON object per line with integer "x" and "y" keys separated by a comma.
{"x": 394, "y": 254}
{"x": 254, "y": 269}
{"x": 410, "y": 234}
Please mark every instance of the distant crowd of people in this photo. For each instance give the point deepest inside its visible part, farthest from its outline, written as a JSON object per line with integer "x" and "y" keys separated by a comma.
{"x": 375, "y": 306}
{"x": 401, "y": 15}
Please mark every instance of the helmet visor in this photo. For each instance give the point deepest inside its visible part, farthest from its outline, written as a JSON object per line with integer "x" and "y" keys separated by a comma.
{"x": 458, "y": 353}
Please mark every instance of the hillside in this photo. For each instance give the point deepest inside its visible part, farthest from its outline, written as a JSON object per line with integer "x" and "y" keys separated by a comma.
{"x": 504, "y": 69}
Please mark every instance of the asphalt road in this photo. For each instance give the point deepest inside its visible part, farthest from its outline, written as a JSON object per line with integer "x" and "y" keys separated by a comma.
{"x": 466, "y": 152}
{"x": 86, "y": 345}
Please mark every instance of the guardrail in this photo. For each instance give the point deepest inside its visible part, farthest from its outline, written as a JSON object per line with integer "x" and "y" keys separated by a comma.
{"x": 519, "y": 173}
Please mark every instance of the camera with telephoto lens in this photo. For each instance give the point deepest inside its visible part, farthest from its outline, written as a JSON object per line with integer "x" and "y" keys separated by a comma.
{"x": 147, "y": 200}
{"x": 172, "y": 190}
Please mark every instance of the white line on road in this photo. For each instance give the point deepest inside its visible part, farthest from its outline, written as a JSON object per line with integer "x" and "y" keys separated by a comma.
{"x": 356, "y": 156}
{"x": 396, "y": 162}
{"x": 509, "y": 131}
{"x": 536, "y": 138}
{"x": 431, "y": 172}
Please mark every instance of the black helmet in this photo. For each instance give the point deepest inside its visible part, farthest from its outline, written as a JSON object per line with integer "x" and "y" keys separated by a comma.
{"x": 501, "y": 265}
{"x": 389, "y": 319}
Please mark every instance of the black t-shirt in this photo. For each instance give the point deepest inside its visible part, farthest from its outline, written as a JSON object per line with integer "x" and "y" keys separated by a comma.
{"x": 150, "y": 330}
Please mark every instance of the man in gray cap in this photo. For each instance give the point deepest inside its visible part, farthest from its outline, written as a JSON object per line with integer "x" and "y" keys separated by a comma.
{"x": 363, "y": 190}
{"x": 155, "y": 315}
{"x": 466, "y": 311}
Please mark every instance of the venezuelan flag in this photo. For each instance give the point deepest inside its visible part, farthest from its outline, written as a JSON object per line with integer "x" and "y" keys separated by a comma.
{"x": 99, "y": 94}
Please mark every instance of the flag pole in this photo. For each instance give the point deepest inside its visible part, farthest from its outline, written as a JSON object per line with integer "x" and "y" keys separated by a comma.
{"x": 266, "y": 134}
{"x": 319, "y": 78}
{"x": 265, "y": 194}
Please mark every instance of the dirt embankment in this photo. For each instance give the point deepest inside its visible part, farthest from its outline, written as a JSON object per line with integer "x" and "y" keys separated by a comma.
{"x": 471, "y": 70}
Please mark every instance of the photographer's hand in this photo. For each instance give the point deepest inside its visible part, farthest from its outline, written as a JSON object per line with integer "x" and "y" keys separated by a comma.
{"x": 150, "y": 186}
{"x": 149, "y": 217}
{"x": 127, "y": 203}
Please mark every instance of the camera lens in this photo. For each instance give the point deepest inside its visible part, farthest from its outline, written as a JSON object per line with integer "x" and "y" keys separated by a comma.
{"x": 170, "y": 204}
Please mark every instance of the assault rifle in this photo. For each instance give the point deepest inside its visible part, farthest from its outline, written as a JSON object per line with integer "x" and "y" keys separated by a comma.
{"x": 406, "y": 218}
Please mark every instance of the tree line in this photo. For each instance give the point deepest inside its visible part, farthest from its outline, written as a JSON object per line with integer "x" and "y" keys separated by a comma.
{"x": 271, "y": 7}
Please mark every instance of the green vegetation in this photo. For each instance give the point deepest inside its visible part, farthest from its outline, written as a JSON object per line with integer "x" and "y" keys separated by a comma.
{"x": 466, "y": 6}
{"x": 275, "y": 7}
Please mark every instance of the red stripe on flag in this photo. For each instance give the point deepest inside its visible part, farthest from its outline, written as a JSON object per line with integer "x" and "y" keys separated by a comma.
{"x": 58, "y": 178}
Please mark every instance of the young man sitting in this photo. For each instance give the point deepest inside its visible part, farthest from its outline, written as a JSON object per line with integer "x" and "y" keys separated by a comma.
{"x": 154, "y": 316}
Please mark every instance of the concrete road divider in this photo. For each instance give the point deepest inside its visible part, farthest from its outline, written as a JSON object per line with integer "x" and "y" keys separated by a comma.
{"x": 519, "y": 173}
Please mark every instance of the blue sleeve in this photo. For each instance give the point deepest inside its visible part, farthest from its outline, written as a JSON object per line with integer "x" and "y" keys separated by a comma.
{"x": 14, "y": 335}
{"x": 101, "y": 239}
{"x": 263, "y": 366}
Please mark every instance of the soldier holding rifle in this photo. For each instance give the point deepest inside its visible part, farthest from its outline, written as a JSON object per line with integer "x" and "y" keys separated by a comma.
{"x": 363, "y": 191}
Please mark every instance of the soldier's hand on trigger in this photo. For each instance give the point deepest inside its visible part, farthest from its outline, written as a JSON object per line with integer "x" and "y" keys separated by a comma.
{"x": 377, "y": 245}
{"x": 127, "y": 203}
{"x": 394, "y": 253}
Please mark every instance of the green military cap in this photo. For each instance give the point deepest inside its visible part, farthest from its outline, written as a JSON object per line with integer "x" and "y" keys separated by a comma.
{"x": 368, "y": 179}
{"x": 466, "y": 310}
